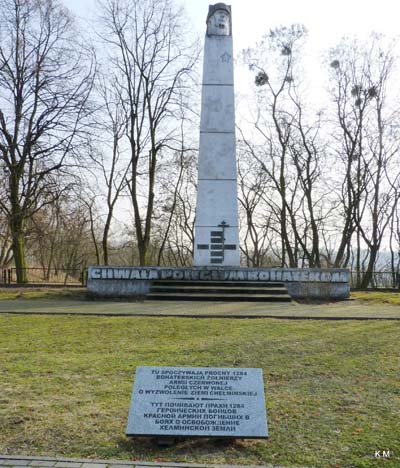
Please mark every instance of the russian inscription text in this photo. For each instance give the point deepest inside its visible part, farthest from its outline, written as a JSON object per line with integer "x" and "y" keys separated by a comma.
{"x": 198, "y": 402}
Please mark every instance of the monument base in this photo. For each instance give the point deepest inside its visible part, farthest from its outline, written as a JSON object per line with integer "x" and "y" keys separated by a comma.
{"x": 314, "y": 284}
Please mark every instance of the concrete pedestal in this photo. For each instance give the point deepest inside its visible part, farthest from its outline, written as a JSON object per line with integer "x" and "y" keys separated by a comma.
{"x": 314, "y": 283}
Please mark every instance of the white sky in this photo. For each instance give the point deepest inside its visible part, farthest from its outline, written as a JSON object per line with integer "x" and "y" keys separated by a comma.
{"x": 326, "y": 21}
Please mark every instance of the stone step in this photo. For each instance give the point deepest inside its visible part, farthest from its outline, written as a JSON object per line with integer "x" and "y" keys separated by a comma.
{"x": 217, "y": 289}
{"x": 181, "y": 290}
{"x": 182, "y": 296}
{"x": 247, "y": 284}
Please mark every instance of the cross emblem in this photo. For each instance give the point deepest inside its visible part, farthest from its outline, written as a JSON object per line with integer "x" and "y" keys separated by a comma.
{"x": 217, "y": 244}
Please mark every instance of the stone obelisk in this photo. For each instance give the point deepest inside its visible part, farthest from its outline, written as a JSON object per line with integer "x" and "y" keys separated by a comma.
{"x": 216, "y": 226}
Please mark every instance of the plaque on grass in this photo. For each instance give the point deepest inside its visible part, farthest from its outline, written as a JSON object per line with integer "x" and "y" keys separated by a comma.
{"x": 198, "y": 401}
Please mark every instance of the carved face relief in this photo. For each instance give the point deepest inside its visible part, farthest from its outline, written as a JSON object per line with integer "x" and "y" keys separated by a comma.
{"x": 219, "y": 24}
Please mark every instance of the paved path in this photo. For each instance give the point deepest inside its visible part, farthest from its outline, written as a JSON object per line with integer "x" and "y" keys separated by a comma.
{"x": 47, "y": 462}
{"x": 355, "y": 310}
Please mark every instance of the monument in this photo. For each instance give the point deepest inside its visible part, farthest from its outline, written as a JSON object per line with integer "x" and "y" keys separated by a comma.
{"x": 216, "y": 273}
{"x": 216, "y": 226}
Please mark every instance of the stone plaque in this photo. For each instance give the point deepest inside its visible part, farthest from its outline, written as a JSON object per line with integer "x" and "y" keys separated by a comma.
{"x": 198, "y": 401}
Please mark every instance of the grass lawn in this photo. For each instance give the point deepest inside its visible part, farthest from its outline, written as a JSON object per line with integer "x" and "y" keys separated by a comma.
{"x": 332, "y": 388}
{"x": 42, "y": 293}
{"x": 377, "y": 297}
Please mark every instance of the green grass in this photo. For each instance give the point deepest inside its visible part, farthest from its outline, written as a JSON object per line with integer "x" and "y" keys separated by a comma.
{"x": 377, "y": 297}
{"x": 332, "y": 388}
{"x": 42, "y": 293}
{"x": 79, "y": 293}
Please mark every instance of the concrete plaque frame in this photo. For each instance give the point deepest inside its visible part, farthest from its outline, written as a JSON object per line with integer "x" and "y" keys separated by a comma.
{"x": 198, "y": 402}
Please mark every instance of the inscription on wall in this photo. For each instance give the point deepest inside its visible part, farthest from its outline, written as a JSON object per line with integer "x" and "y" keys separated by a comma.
{"x": 198, "y": 401}
{"x": 209, "y": 274}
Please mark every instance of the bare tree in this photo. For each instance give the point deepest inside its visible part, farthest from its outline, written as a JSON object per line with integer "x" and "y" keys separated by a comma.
{"x": 45, "y": 80}
{"x": 287, "y": 145}
{"x": 153, "y": 65}
{"x": 5, "y": 242}
{"x": 256, "y": 219}
{"x": 368, "y": 119}
{"x": 394, "y": 246}
{"x": 89, "y": 200}
{"x": 350, "y": 113}
{"x": 59, "y": 238}
{"x": 181, "y": 239}
{"x": 107, "y": 153}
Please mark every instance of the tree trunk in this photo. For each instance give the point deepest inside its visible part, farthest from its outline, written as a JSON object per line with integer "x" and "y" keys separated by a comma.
{"x": 19, "y": 253}
{"x": 370, "y": 268}
{"x": 142, "y": 247}
{"x": 105, "y": 237}
{"x": 17, "y": 230}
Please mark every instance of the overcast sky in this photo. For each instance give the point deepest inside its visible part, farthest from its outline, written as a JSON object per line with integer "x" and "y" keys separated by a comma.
{"x": 326, "y": 21}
